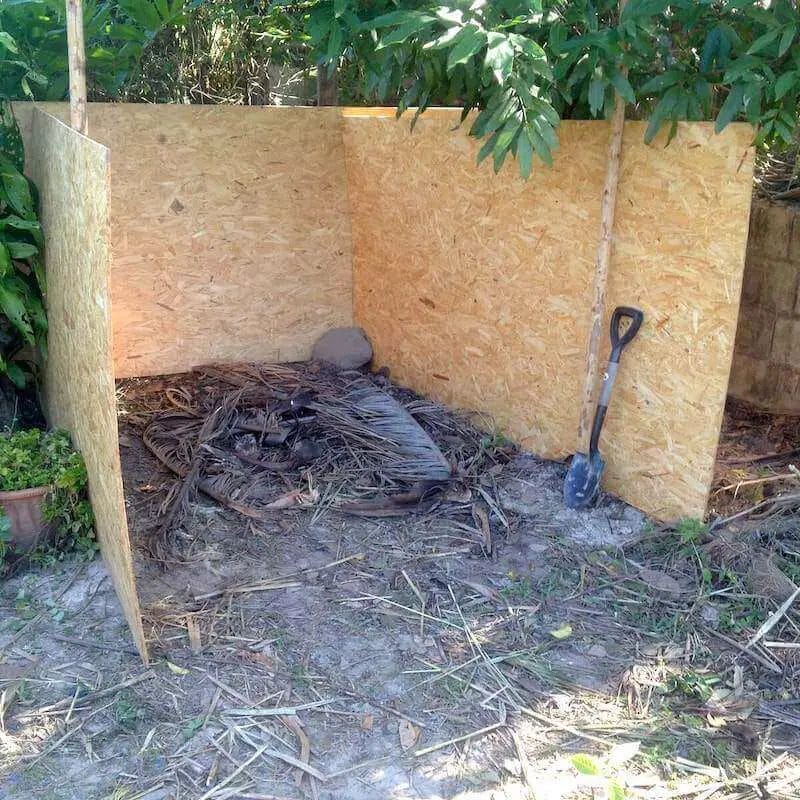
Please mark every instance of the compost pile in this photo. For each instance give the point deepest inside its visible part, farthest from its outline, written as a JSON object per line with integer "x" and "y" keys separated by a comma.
{"x": 263, "y": 437}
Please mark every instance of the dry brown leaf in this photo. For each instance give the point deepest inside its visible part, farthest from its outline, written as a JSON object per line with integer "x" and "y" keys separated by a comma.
{"x": 295, "y": 498}
{"x": 409, "y": 734}
{"x": 659, "y": 581}
{"x": 367, "y": 721}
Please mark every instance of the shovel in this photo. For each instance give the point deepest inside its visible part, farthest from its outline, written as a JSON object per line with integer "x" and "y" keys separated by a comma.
{"x": 583, "y": 479}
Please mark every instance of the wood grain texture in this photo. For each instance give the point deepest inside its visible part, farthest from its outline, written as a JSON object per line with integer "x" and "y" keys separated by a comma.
{"x": 476, "y": 289}
{"x": 71, "y": 172}
{"x": 230, "y": 232}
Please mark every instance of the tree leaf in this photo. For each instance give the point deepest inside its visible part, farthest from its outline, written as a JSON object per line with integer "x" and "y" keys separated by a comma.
{"x": 785, "y": 83}
{"x": 6, "y": 267}
{"x": 465, "y": 45}
{"x": 789, "y": 32}
{"x": 12, "y": 304}
{"x": 623, "y": 86}
{"x": 15, "y": 374}
{"x": 402, "y": 33}
{"x": 585, "y": 764}
{"x": 499, "y": 55}
{"x": 524, "y": 154}
{"x": 21, "y": 250}
{"x": 711, "y": 47}
{"x": 541, "y": 145}
{"x": 615, "y": 791}
{"x": 7, "y": 41}
{"x": 16, "y": 188}
{"x": 763, "y": 41}
{"x": 661, "y": 82}
{"x": 597, "y": 94}
{"x": 487, "y": 148}
{"x": 564, "y": 632}
{"x": 731, "y": 107}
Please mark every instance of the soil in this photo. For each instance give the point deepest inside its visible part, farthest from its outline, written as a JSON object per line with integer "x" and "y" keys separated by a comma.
{"x": 516, "y": 651}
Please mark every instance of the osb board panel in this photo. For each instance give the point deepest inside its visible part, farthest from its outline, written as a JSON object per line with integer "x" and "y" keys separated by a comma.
{"x": 230, "y": 232}
{"x": 476, "y": 288}
{"x": 71, "y": 172}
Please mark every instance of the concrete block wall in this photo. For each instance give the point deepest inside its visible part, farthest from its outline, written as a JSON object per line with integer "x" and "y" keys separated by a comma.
{"x": 766, "y": 361}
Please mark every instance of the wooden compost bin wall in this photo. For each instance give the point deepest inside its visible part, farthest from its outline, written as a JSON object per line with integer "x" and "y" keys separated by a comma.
{"x": 476, "y": 288}
{"x": 230, "y": 232}
{"x": 72, "y": 174}
{"x": 766, "y": 361}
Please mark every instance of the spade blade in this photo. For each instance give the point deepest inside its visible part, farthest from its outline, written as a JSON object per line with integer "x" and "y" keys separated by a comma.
{"x": 583, "y": 480}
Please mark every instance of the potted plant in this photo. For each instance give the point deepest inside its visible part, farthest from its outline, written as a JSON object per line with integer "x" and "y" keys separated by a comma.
{"x": 45, "y": 509}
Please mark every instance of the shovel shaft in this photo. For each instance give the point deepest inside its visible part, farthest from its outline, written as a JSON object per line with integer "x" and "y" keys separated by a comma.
{"x": 602, "y": 406}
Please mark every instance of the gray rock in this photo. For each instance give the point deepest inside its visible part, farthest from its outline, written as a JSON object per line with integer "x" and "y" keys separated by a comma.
{"x": 346, "y": 348}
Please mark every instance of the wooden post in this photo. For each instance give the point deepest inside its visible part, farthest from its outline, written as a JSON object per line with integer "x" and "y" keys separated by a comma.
{"x": 327, "y": 86}
{"x": 78, "y": 115}
{"x": 607, "y": 207}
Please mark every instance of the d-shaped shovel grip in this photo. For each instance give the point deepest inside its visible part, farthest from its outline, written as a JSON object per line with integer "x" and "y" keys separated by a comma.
{"x": 618, "y": 343}
{"x": 620, "y": 340}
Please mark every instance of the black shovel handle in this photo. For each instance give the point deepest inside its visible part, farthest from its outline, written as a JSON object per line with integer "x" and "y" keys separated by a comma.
{"x": 620, "y": 340}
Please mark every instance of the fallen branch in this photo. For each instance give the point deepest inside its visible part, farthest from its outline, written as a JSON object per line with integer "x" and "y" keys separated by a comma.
{"x": 774, "y": 619}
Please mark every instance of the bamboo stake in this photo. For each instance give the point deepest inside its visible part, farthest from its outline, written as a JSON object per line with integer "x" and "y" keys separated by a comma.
{"x": 78, "y": 116}
{"x": 608, "y": 205}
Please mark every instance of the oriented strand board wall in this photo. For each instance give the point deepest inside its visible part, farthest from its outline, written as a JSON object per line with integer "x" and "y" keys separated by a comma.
{"x": 476, "y": 288}
{"x": 230, "y": 232}
{"x": 71, "y": 172}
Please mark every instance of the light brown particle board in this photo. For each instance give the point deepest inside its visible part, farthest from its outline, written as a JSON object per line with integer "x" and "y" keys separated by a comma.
{"x": 476, "y": 288}
{"x": 230, "y": 232}
{"x": 71, "y": 172}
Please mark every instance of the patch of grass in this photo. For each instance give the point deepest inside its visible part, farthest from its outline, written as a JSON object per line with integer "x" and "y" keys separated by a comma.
{"x": 300, "y": 676}
{"x": 738, "y": 617}
{"x": 191, "y": 728}
{"x": 693, "y": 684}
{"x": 126, "y": 713}
{"x": 559, "y": 583}
{"x": 691, "y": 530}
{"x": 518, "y": 590}
{"x": 24, "y": 693}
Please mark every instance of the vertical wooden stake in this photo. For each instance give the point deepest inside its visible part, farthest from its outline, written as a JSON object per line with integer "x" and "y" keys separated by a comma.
{"x": 327, "y": 86}
{"x": 78, "y": 115}
{"x": 607, "y": 207}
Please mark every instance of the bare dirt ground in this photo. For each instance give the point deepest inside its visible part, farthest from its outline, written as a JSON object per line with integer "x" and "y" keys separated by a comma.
{"x": 487, "y": 646}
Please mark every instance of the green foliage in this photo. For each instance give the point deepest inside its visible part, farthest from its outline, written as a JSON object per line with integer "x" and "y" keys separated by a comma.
{"x": 524, "y": 65}
{"x": 127, "y": 712}
{"x": 585, "y": 764}
{"x": 697, "y": 685}
{"x": 21, "y": 273}
{"x": 35, "y": 458}
{"x": 117, "y": 34}
{"x": 31, "y": 458}
{"x": 227, "y": 51}
{"x": 589, "y": 766}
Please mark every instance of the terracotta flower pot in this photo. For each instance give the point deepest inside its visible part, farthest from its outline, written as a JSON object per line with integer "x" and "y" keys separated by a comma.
{"x": 24, "y": 511}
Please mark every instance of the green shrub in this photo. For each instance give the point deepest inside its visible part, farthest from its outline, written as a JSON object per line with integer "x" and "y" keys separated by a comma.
{"x": 34, "y": 458}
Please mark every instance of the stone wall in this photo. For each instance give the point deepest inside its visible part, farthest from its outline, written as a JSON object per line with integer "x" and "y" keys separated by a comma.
{"x": 766, "y": 362}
